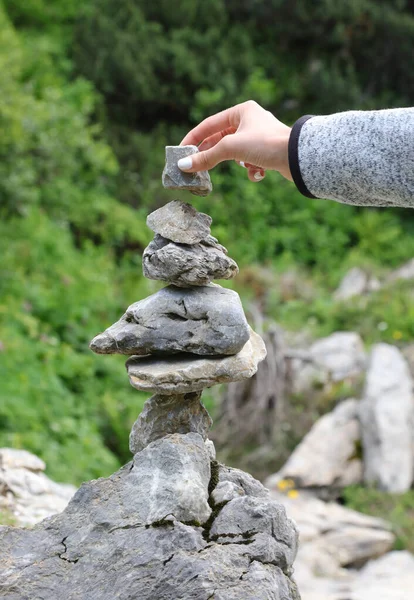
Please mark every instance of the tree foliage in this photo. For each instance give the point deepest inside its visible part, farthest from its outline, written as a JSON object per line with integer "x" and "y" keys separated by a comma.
{"x": 90, "y": 94}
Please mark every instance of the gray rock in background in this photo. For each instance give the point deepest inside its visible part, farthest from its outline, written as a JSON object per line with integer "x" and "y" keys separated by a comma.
{"x": 180, "y": 222}
{"x": 207, "y": 320}
{"x": 103, "y": 547}
{"x": 26, "y": 493}
{"x": 328, "y": 455}
{"x": 356, "y": 282}
{"x": 175, "y": 179}
{"x": 186, "y": 265}
{"x": 341, "y": 354}
{"x": 181, "y": 374}
{"x": 387, "y": 419}
{"x": 163, "y": 415}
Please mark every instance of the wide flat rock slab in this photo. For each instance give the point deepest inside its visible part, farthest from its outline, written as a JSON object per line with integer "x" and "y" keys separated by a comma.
{"x": 185, "y": 373}
{"x": 207, "y": 320}
{"x": 162, "y": 415}
{"x": 187, "y": 265}
{"x": 173, "y": 178}
{"x": 102, "y": 548}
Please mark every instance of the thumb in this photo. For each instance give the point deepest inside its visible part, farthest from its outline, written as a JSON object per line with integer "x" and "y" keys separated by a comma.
{"x": 204, "y": 161}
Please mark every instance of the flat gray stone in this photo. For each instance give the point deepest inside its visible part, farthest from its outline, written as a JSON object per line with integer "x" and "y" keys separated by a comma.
{"x": 163, "y": 415}
{"x": 180, "y": 222}
{"x": 206, "y": 320}
{"x": 186, "y": 265}
{"x": 185, "y": 373}
{"x": 175, "y": 179}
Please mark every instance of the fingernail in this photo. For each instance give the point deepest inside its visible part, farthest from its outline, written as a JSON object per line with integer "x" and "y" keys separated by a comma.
{"x": 242, "y": 164}
{"x": 185, "y": 163}
{"x": 258, "y": 176}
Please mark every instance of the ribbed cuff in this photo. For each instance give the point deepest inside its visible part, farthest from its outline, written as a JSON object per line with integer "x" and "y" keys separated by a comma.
{"x": 293, "y": 155}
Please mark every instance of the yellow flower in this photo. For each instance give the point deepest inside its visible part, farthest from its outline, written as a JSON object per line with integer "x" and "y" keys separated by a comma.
{"x": 282, "y": 484}
{"x": 397, "y": 335}
{"x": 293, "y": 494}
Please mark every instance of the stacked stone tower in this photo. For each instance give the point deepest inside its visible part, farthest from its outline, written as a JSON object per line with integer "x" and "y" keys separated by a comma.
{"x": 190, "y": 335}
{"x": 174, "y": 524}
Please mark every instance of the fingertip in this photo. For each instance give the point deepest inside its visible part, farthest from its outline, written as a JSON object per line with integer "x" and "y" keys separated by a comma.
{"x": 185, "y": 164}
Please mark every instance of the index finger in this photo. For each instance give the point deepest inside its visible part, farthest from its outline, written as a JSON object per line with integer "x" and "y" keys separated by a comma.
{"x": 222, "y": 120}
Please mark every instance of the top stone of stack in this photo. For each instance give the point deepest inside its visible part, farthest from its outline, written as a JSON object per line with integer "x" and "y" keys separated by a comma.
{"x": 175, "y": 179}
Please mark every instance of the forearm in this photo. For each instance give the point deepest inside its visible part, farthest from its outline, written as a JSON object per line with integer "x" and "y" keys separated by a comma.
{"x": 357, "y": 157}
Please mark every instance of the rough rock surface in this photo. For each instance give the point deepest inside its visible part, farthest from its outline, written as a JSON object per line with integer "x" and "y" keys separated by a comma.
{"x": 184, "y": 373}
{"x": 175, "y": 179}
{"x": 205, "y": 320}
{"x": 163, "y": 415}
{"x": 186, "y": 265}
{"x": 172, "y": 476}
{"x": 387, "y": 418}
{"x": 328, "y": 456}
{"x": 104, "y": 546}
{"x": 180, "y": 222}
{"x": 25, "y": 491}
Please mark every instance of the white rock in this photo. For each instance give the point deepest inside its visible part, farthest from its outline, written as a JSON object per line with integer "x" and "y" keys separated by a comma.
{"x": 341, "y": 354}
{"x": 332, "y": 537}
{"x": 26, "y": 492}
{"x": 356, "y": 282}
{"x": 406, "y": 271}
{"x": 391, "y": 577}
{"x": 327, "y": 454}
{"x": 387, "y": 418}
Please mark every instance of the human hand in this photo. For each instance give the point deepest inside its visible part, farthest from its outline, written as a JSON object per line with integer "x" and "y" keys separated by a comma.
{"x": 246, "y": 133}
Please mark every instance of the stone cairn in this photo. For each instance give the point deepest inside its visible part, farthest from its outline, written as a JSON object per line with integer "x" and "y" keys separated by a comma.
{"x": 174, "y": 523}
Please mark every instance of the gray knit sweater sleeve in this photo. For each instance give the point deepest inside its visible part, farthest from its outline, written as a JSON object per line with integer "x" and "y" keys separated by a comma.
{"x": 356, "y": 157}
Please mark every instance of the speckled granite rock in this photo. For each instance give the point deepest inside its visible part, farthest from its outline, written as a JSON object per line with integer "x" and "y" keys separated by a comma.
{"x": 162, "y": 415}
{"x": 205, "y": 320}
{"x": 185, "y": 373}
{"x": 175, "y": 179}
{"x": 186, "y": 265}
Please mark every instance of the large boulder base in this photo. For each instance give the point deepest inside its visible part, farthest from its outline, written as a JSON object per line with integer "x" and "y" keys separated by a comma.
{"x": 103, "y": 547}
{"x": 205, "y": 320}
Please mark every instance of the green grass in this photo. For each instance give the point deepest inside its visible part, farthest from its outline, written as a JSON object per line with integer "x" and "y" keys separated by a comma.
{"x": 397, "y": 509}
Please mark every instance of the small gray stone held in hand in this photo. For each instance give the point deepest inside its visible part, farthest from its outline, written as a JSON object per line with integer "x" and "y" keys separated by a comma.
{"x": 186, "y": 265}
{"x": 175, "y": 179}
{"x": 180, "y": 222}
{"x": 205, "y": 320}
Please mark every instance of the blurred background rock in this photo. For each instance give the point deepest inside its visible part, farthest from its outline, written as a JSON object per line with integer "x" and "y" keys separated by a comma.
{"x": 90, "y": 94}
